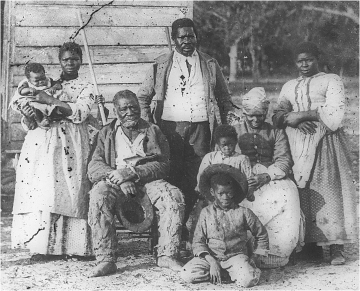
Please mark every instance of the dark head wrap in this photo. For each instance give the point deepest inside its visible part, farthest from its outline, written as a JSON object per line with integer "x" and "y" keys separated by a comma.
{"x": 307, "y": 47}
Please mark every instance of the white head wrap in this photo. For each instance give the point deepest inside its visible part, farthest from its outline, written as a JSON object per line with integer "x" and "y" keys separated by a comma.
{"x": 255, "y": 101}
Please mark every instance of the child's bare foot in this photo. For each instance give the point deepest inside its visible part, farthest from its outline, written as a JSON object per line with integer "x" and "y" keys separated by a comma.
{"x": 168, "y": 262}
{"x": 104, "y": 269}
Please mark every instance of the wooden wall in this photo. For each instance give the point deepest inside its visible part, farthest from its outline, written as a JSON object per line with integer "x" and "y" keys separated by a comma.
{"x": 124, "y": 38}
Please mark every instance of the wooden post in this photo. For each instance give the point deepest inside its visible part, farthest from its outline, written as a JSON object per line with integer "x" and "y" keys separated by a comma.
{"x": 101, "y": 106}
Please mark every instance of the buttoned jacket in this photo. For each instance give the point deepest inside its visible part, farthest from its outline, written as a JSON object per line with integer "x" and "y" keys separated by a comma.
{"x": 153, "y": 90}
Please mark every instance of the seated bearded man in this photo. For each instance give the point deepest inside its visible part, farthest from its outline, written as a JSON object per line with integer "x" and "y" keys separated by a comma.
{"x": 126, "y": 137}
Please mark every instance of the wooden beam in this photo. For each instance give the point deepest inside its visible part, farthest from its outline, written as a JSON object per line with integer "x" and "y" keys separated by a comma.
{"x": 105, "y": 74}
{"x": 99, "y": 54}
{"x": 53, "y": 16}
{"x": 97, "y": 3}
{"x": 7, "y": 55}
{"x": 46, "y": 36}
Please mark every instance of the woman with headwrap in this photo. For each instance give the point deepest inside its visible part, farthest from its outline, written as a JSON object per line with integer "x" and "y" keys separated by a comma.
{"x": 276, "y": 197}
{"x": 311, "y": 108}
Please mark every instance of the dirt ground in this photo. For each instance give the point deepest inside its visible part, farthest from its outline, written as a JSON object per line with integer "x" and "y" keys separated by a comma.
{"x": 137, "y": 269}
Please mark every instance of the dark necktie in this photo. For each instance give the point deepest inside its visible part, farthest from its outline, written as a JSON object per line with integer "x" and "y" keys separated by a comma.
{"x": 188, "y": 66}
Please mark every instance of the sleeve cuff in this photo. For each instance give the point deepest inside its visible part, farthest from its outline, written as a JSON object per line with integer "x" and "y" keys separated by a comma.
{"x": 202, "y": 254}
{"x": 275, "y": 173}
{"x": 73, "y": 109}
{"x": 134, "y": 171}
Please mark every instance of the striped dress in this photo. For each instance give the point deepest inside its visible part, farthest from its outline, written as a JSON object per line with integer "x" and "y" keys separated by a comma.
{"x": 321, "y": 163}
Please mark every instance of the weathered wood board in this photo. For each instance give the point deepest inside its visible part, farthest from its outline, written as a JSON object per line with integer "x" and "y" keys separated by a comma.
{"x": 124, "y": 38}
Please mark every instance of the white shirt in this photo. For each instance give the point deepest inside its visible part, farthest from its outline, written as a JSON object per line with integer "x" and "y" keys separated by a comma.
{"x": 125, "y": 148}
{"x": 185, "y": 94}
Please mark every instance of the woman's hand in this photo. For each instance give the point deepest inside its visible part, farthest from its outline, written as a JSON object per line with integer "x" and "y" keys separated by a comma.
{"x": 258, "y": 181}
{"x": 307, "y": 127}
{"x": 215, "y": 269}
{"x": 293, "y": 119}
{"x": 43, "y": 98}
{"x": 28, "y": 111}
{"x": 99, "y": 99}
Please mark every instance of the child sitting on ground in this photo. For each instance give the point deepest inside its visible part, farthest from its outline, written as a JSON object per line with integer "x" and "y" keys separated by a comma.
{"x": 220, "y": 238}
{"x": 37, "y": 114}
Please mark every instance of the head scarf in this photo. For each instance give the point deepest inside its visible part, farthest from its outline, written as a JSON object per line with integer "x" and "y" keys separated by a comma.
{"x": 255, "y": 101}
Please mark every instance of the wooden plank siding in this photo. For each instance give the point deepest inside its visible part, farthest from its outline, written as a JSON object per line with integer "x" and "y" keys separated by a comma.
{"x": 124, "y": 38}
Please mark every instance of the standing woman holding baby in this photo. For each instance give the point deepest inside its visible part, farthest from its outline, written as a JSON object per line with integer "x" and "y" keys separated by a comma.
{"x": 51, "y": 194}
{"x": 311, "y": 108}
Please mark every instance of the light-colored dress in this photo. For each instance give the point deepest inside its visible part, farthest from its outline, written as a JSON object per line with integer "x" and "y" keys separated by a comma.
{"x": 322, "y": 168}
{"x": 276, "y": 203}
{"x": 51, "y": 193}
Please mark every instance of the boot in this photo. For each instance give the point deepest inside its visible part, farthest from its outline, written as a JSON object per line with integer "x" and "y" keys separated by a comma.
{"x": 311, "y": 251}
{"x": 337, "y": 255}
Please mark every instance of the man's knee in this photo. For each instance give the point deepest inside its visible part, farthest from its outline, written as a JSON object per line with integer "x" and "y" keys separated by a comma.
{"x": 187, "y": 276}
{"x": 196, "y": 270}
{"x": 161, "y": 190}
{"x": 100, "y": 193}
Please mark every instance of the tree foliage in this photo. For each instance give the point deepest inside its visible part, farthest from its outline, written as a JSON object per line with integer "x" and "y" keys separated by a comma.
{"x": 260, "y": 35}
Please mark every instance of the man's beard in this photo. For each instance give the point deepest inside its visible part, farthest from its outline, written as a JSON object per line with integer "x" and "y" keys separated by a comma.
{"x": 129, "y": 123}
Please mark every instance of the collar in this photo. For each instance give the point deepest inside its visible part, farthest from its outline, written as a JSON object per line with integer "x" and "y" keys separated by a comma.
{"x": 67, "y": 78}
{"x": 191, "y": 59}
{"x": 224, "y": 157}
{"x": 233, "y": 206}
{"x": 313, "y": 76}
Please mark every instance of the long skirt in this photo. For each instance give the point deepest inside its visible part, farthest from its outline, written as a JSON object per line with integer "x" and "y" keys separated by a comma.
{"x": 51, "y": 234}
{"x": 278, "y": 207}
{"x": 329, "y": 200}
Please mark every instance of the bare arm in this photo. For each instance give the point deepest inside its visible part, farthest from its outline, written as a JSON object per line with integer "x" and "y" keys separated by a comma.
{"x": 44, "y": 98}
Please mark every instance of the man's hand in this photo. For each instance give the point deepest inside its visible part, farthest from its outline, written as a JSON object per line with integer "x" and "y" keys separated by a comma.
{"x": 258, "y": 181}
{"x": 307, "y": 127}
{"x": 215, "y": 269}
{"x": 128, "y": 188}
{"x": 120, "y": 176}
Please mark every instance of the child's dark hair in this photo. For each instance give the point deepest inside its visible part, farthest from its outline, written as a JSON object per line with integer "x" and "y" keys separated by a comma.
{"x": 221, "y": 179}
{"x": 225, "y": 130}
{"x": 71, "y": 47}
{"x": 33, "y": 67}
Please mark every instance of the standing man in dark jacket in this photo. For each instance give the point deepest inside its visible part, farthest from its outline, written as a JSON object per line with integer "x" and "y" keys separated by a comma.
{"x": 131, "y": 138}
{"x": 190, "y": 97}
